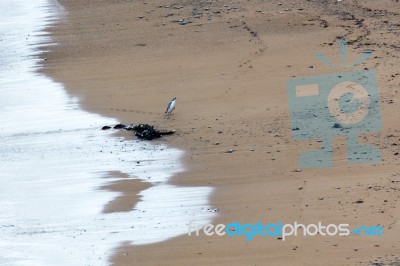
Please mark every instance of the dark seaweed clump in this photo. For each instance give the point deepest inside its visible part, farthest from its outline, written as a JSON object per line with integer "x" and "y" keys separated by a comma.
{"x": 142, "y": 131}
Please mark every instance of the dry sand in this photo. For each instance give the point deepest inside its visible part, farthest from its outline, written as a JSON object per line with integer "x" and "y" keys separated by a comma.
{"x": 228, "y": 69}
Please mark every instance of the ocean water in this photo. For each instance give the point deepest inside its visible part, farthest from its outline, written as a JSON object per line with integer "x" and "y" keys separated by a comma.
{"x": 54, "y": 159}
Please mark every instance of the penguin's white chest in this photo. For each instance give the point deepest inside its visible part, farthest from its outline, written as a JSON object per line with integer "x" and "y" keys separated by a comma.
{"x": 172, "y": 107}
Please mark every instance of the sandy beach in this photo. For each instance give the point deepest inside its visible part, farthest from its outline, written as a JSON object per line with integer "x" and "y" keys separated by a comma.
{"x": 227, "y": 62}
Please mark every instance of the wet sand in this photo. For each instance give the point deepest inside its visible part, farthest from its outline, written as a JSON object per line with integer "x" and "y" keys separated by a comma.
{"x": 71, "y": 192}
{"x": 228, "y": 69}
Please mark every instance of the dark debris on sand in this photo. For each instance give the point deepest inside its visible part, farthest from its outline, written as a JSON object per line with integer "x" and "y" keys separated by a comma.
{"x": 142, "y": 131}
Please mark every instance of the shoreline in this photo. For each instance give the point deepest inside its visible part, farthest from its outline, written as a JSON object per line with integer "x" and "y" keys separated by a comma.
{"x": 63, "y": 202}
{"x": 225, "y": 77}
